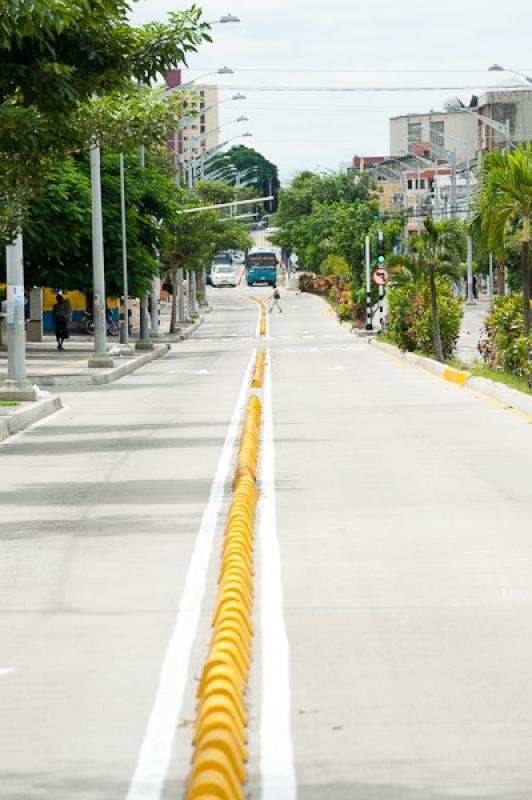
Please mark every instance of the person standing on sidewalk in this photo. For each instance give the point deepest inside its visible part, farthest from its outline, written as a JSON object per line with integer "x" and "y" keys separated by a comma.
{"x": 62, "y": 312}
{"x": 275, "y": 298}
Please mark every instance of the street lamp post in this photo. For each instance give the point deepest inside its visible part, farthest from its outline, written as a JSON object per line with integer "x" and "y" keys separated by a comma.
{"x": 99, "y": 358}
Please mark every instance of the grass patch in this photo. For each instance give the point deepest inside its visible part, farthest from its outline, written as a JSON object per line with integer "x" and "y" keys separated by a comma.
{"x": 9, "y": 402}
{"x": 514, "y": 381}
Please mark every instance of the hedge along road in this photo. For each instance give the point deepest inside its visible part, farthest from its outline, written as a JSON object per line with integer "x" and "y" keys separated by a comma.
{"x": 393, "y": 573}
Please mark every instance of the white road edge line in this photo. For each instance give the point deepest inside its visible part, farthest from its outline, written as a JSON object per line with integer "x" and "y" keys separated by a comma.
{"x": 257, "y": 332}
{"x": 278, "y": 777}
{"x": 150, "y": 773}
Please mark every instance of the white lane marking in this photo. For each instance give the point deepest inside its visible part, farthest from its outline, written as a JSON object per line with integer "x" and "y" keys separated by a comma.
{"x": 148, "y": 779}
{"x": 6, "y": 670}
{"x": 276, "y": 753}
{"x": 191, "y": 372}
{"x": 257, "y": 332}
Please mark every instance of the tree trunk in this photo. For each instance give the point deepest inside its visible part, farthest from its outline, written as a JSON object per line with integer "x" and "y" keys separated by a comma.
{"x": 500, "y": 279}
{"x": 436, "y": 333}
{"x": 173, "y": 318}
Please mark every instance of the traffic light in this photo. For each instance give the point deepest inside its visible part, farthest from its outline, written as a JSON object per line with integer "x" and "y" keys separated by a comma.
{"x": 376, "y": 217}
{"x": 380, "y": 248}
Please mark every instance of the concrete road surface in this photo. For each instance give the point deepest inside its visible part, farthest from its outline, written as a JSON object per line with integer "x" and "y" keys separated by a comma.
{"x": 394, "y": 575}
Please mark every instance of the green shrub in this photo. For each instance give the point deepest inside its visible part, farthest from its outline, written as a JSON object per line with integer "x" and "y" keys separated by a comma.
{"x": 409, "y": 319}
{"x": 504, "y": 345}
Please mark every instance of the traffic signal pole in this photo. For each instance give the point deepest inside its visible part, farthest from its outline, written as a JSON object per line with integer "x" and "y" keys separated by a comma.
{"x": 380, "y": 259}
{"x": 369, "y": 315}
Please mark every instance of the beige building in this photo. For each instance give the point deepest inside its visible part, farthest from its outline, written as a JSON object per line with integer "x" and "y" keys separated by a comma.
{"x": 206, "y": 106}
{"x": 452, "y": 130}
{"x": 512, "y": 105}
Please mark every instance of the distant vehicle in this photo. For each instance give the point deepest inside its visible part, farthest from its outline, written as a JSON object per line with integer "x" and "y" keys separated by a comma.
{"x": 261, "y": 266}
{"x": 223, "y": 275}
{"x": 223, "y": 258}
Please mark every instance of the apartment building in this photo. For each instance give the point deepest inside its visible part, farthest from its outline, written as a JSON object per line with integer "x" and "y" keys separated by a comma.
{"x": 451, "y": 130}
{"x": 190, "y": 140}
{"x": 504, "y": 105}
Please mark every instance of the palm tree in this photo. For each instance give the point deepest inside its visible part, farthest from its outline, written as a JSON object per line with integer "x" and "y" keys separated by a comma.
{"x": 505, "y": 196}
{"x": 434, "y": 252}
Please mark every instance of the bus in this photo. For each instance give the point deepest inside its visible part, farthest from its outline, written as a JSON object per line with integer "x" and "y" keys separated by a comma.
{"x": 261, "y": 266}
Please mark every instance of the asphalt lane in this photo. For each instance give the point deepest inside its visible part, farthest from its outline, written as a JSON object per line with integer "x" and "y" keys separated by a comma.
{"x": 404, "y": 521}
{"x": 403, "y": 511}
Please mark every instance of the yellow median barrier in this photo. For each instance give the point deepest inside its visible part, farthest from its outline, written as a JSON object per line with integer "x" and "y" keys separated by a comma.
{"x": 220, "y": 729}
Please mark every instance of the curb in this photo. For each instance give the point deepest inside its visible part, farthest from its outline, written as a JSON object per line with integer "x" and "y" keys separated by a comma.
{"x": 511, "y": 398}
{"x": 346, "y": 326}
{"x": 113, "y": 375}
{"x": 18, "y": 420}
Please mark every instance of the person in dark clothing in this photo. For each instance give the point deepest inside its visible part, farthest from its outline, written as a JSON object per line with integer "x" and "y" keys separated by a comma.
{"x": 62, "y": 313}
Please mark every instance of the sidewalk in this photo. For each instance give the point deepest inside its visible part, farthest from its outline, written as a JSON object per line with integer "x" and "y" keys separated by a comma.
{"x": 47, "y": 366}
{"x": 471, "y": 330}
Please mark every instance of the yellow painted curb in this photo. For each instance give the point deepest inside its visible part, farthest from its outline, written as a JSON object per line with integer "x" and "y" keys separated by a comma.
{"x": 456, "y": 376}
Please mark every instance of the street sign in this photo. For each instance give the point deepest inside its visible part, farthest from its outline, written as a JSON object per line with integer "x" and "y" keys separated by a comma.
{"x": 379, "y": 276}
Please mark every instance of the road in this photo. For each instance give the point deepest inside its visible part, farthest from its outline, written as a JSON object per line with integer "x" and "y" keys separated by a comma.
{"x": 393, "y": 570}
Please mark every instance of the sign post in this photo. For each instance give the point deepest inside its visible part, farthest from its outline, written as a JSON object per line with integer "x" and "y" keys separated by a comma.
{"x": 380, "y": 279}
{"x": 369, "y": 315}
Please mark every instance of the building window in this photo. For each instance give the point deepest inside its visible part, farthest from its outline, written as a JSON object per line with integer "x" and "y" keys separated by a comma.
{"x": 414, "y": 135}
{"x": 410, "y": 183}
{"x": 437, "y": 133}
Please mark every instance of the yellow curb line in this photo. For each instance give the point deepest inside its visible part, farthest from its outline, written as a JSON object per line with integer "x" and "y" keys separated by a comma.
{"x": 455, "y": 377}
{"x": 220, "y": 736}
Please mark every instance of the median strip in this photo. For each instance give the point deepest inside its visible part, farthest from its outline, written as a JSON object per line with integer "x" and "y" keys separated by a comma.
{"x": 220, "y": 739}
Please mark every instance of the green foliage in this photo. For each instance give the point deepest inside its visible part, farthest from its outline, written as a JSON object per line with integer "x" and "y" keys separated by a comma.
{"x": 335, "y": 265}
{"x": 193, "y": 239}
{"x": 409, "y": 319}
{"x": 246, "y": 158}
{"x": 505, "y": 346}
{"x": 58, "y": 234}
{"x": 327, "y": 216}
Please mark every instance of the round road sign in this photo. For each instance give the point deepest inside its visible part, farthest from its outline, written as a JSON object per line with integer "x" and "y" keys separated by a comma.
{"x": 379, "y": 276}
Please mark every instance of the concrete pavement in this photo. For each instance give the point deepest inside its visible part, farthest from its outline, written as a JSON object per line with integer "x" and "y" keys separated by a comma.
{"x": 401, "y": 512}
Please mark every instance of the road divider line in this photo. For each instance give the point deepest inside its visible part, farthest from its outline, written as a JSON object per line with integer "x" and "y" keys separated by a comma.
{"x": 262, "y": 327}
{"x": 220, "y": 738}
{"x": 148, "y": 779}
{"x": 277, "y": 769}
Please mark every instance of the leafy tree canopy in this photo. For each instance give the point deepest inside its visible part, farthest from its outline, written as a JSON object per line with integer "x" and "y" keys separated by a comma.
{"x": 262, "y": 174}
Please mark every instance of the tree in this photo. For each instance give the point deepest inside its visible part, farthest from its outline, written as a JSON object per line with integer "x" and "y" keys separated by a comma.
{"x": 433, "y": 253}
{"x": 55, "y": 57}
{"x": 194, "y": 238}
{"x": 58, "y": 233}
{"x": 264, "y": 179}
{"x": 505, "y": 197}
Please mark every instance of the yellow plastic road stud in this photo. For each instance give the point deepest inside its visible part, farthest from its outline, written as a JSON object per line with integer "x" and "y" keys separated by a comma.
{"x": 216, "y": 760}
{"x": 237, "y": 571}
{"x": 221, "y": 705}
{"x": 228, "y": 649}
{"x": 228, "y": 617}
{"x": 221, "y": 637}
{"x": 225, "y": 742}
{"x": 226, "y": 627}
{"x": 221, "y": 659}
{"x": 235, "y": 584}
{"x": 219, "y": 672}
{"x": 221, "y": 719}
{"x": 209, "y": 784}
{"x": 224, "y": 688}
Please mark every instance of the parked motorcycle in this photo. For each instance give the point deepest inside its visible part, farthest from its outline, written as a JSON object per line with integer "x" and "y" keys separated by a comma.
{"x": 87, "y": 323}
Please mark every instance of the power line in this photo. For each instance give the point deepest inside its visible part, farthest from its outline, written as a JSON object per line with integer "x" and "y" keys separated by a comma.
{"x": 340, "y": 89}
{"x": 390, "y": 70}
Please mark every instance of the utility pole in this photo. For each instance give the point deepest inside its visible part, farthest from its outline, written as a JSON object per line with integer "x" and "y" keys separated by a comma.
{"x": 17, "y": 386}
{"x": 490, "y": 279}
{"x": 99, "y": 358}
{"x": 144, "y": 342}
{"x": 180, "y": 296}
{"x": 369, "y": 314}
{"x": 470, "y": 295}
{"x": 124, "y": 332}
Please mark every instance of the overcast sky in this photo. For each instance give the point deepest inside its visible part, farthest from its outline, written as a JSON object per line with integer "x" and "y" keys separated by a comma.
{"x": 309, "y": 129}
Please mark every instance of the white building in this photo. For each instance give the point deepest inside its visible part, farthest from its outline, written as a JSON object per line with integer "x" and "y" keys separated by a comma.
{"x": 451, "y": 130}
